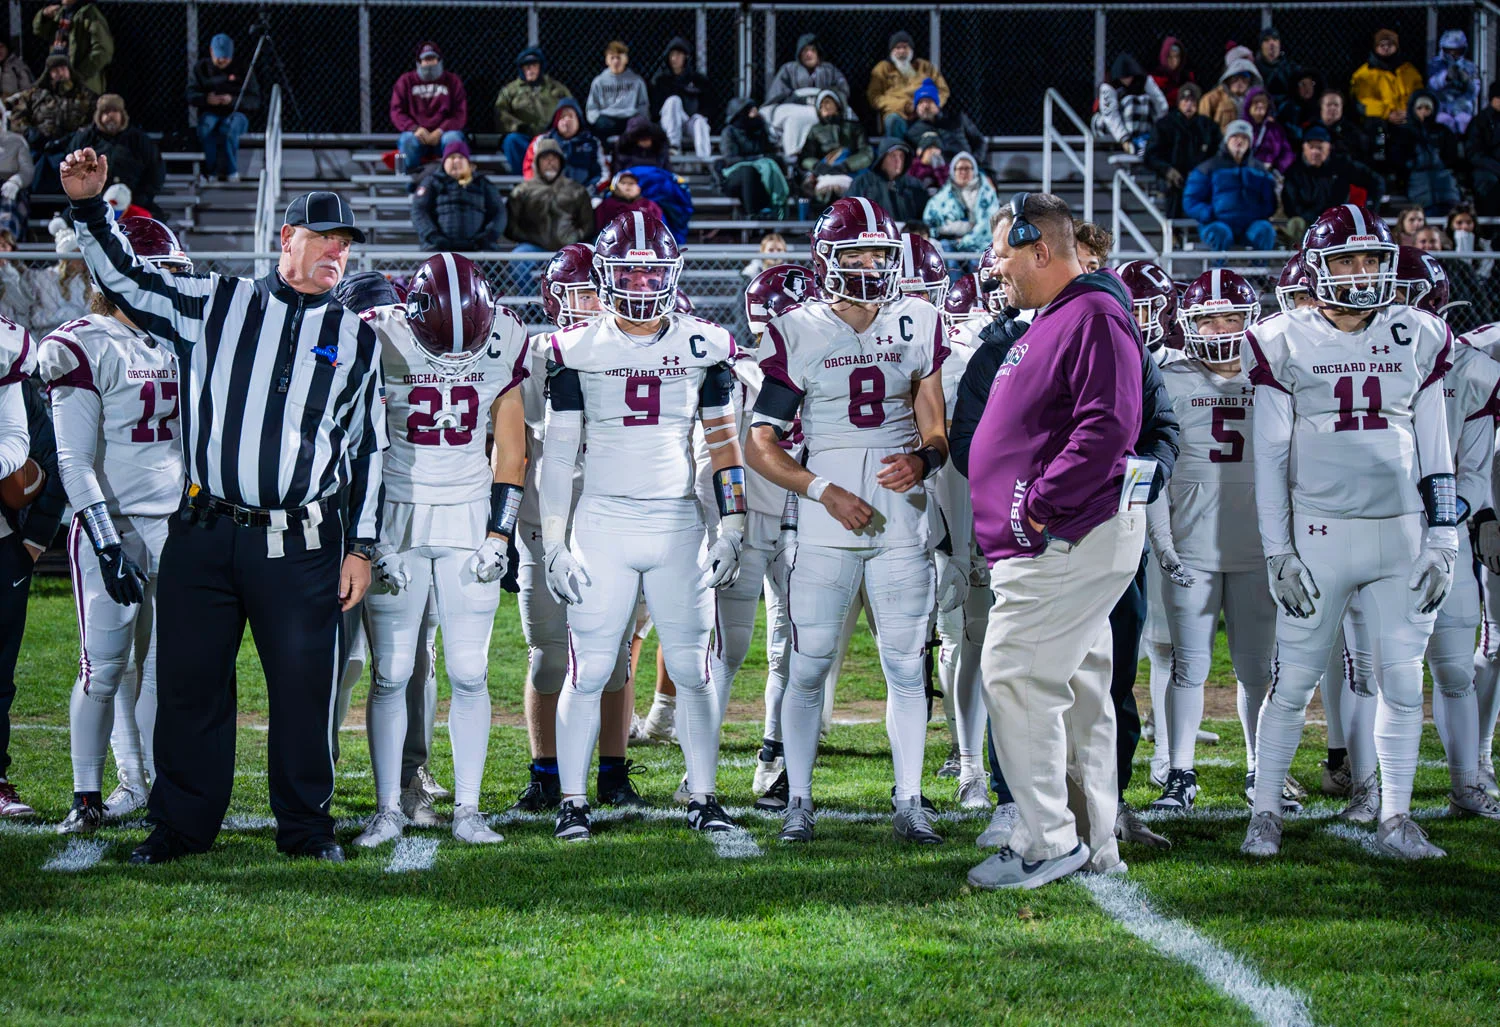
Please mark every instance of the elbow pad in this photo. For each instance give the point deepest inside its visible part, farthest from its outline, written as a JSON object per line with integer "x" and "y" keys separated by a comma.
{"x": 1440, "y": 500}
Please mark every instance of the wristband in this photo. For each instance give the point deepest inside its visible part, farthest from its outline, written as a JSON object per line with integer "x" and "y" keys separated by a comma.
{"x": 932, "y": 460}
{"x": 101, "y": 529}
{"x": 1440, "y": 500}
{"x": 505, "y": 508}
{"x": 816, "y": 488}
{"x": 729, "y": 490}
{"x": 789, "y": 512}
{"x": 364, "y": 550}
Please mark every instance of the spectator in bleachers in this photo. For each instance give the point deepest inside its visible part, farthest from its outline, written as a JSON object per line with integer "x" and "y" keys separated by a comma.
{"x": 1172, "y": 71}
{"x": 15, "y": 285}
{"x": 1347, "y": 134}
{"x": 752, "y": 173}
{"x": 1277, "y": 71}
{"x": 547, "y": 211}
{"x": 1463, "y": 229}
{"x": 1272, "y": 147}
{"x": 791, "y": 103}
{"x": 893, "y": 83}
{"x": 1180, "y": 142}
{"x": 1321, "y": 179}
{"x": 1482, "y": 146}
{"x": 1427, "y": 151}
{"x": 15, "y": 76}
{"x": 929, "y": 166}
{"x": 1226, "y": 101}
{"x": 525, "y": 105}
{"x": 1455, "y": 80}
{"x": 133, "y": 157}
{"x": 1430, "y": 239}
{"x": 1129, "y": 104}
{"x": 1232, "y": 195}
{"x": 836, "y": 149}
{"x": 52, "y": 110}
{"x": 121, "y": 203}
{"x": 429, "y": 108}
{"x": 684, "y": 99}
{"x": 1299, "y": 111}
{"x": 1094, "y": 243}
{"x": 1408, "y": 223}
{"x": 1383, "y": 85}
{"x": 79, "y": 29}
{"x": 641, "y": 142}
{"x": 773, "y": 248}
{"x": 579, "y": 146}
{"x": 623, "y": 197}
{"x": 960, "y": 213}
{"x": 617, "y": 94}
{"x": 455, "y": 207}
{"x": 16, "y": 173}
{"x": 226, "y": 94}
{"x": 886, "y": 183}
{"x": 670, "y": 193}
{"x": 955, "y": 130}
{"x": 59, "y": 292}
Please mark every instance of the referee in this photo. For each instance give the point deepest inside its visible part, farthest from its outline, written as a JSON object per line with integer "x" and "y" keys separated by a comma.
{"x": 282, "y": 427}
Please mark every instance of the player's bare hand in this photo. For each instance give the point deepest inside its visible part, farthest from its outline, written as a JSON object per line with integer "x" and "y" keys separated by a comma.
{"x": 847, "y": 508}
{"x": 354, "y": 581}
{"x": 1036, "y": 529}
{"x": 902, "y": 471}
{"x": 84, "y": 174}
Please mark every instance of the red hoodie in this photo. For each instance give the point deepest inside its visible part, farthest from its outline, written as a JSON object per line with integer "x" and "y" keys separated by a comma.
{"x": 439, "y": 104}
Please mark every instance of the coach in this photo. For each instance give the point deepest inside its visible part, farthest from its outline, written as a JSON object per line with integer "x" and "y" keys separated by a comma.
{"x": 282, "y": 429}
{"x": 1046, "y": 469}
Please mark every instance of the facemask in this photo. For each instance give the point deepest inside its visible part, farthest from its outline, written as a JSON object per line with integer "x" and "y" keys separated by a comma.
{"x": 430, "y": 72}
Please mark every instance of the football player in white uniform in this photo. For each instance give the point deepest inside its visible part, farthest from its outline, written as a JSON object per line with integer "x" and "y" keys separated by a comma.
{"x": 1348, "y": 386}
{"x": 864, "y": 368}
{"x": 1486, "y": 541}
{"x": 452, "y": 362}
{"x": 569, "y": 298}
{"x": 636, "y": 379}
{"x": 1209, "y": 563}
{"x": 114, "y": 411}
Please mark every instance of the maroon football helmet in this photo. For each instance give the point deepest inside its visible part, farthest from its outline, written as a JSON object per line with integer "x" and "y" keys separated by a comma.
{"x": 772, "y": 291}
{"x": 854, "y": 223}
{"x": 923, "y": 271}
{"x": 1292, "y": 280}
{"x": 636, "y": 267}
{"x": 568, "y": 276}
{"x": 450, "y": 309}
{"x": 1342, "y": 230}
{"x": 1153, "y": 297}
{"x": 155, "y": 243}
{"x": 991, "y": 292}
{"x": 964, "y": 303}
{"x": 1423, "y": 279}
{"x": 1219, "y": 291}
{"x": 682, "y": 305}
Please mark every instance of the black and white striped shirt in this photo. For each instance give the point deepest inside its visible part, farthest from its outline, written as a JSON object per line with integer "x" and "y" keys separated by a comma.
{"x": 283, "y": 400}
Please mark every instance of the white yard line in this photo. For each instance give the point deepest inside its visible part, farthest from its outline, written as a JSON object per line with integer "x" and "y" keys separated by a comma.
{"x": 412, "y": 854}
{"x": 735, "y": 844}
{"x": 1269, "y": 1003}
{"x": 80, "y": 854}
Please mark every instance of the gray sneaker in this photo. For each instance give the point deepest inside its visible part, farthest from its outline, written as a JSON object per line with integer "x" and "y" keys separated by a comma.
{"x": 470, "y": 826}
{"x": 1007, "y": 869}
{"x": 430, "y": 785}
{"x": 797, "y": 821}
{"x": 1364, "y": 802}
{"x": 385, "y": 826}
{"x": 1263, "y": 838}
{"x": 1128, "y": 828}
{"x": 1487, "y": 780}
{"x": 1002, "y": 825}
{"x": 416, "y": 803}
{"x": 912, "y": 823}
{"x": 1399, "y": 836}
{"x": 1337, "y": 782}
{"x": 1473, "y": 801}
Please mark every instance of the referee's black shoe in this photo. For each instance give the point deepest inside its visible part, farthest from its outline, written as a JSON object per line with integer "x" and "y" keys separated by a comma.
{"x": 328, "y": 851}
{"x": 160, "y": 846}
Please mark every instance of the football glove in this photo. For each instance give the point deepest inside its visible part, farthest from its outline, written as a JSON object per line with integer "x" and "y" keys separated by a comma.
{"x": 490, "y": 561}
{"x": 952, "y": 587}
{"x": 123, "y": 580}
{"x": 1431, "y": 577}
{"x": 1487, "y": 544}
{"x": 723, "y": 566}
{"x": 1172, "y": 566}
{"x": 565, "y": 577}
{"x": 388, "y": 573}
{"x": 1292, "y": 584}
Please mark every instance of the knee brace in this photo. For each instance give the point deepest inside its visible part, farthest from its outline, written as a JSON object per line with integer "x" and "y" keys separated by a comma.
{"x": 467, "y": 666}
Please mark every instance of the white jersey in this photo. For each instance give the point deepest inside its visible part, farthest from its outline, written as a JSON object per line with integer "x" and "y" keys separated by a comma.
{"x": 1470, "y": 394}
{"x": 1354, "y": 449}
{"x": 1211, "y": 493}
{"x": 641, "y": 397}
{"x": 855, "y": 392}
{"x": 114, "y": 410}
{"x": 963, "y": 340}
{"x": 17, "y": 362}
{"x": 1486, "y": 339}
{"x": 761, "y": 497}
{"x": 438, "y": 424}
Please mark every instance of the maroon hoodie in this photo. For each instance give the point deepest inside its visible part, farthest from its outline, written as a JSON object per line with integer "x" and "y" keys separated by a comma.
{"x": 439, "y": 104}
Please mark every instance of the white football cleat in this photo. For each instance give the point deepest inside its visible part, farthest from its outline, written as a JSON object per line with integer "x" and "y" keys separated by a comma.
{"x": 1473, "y": 801}
{"x": 974, "y": 791}
{"x": 657, "y": 726}
{"x": 1263, "y": 837}
{"x": 128, "y": 797}
{"x": 1364, "y": 802}
{"x": 1002, "y": 825}
{"x": 766, "y": 774}
{"x": 417, "y": 805}
{"x": 1207, "y": 737}
{"x": 385, "y": 826}
{"x": 1399, "y": 836}
{"x": 469, "y": 826}
{"x": 1487, "y": 780}
{"x": 1160, "y": 768}
{"x": 431, "y": 786}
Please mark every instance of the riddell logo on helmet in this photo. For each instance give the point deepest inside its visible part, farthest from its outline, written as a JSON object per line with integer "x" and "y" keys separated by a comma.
{"x": 642, "y": 254}
{"x": 1363, "y": 240}
{"x": 877, "y": 236}
{"x": 1220, "y": 304}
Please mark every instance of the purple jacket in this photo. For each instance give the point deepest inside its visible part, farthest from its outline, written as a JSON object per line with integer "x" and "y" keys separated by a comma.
{"x": 1271, "y": 146}
{"x": 440, "y": 104}
{"x": 1062, "y": 416}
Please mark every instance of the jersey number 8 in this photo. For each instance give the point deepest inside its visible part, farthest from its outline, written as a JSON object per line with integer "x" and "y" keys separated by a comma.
{"x": 867, "y": 397}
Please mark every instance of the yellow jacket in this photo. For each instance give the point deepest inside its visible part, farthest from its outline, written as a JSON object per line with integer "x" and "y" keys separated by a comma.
{"x": 1380, "y": 91}
{"x": 890, "y": 92}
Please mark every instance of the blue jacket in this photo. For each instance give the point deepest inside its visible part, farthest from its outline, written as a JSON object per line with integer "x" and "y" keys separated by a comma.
{"x": 671, "y": 195}
{"x": 1236, "y": 194}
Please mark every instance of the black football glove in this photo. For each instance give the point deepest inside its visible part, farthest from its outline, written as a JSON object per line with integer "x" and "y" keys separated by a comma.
{"x": 123, "y": 580}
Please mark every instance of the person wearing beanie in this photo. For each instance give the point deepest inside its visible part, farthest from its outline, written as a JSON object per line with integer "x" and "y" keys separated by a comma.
{"x": 624, "y": 196}
{"x": 15, "y": 76}
{"x": 1179, "y": 142}
{"x": 525, "y": 105}
{"x": 429, "y": 108}
{"x": 78, "y": 29}
{"x": 120, "y": 203}
{"x": 1482, "y": 148}
{"x": 790, "y": 105}
{"x": 684, "y": 98}
{"x": 1384, "y": 83}
{"x": 894, "y": 82}
{"x": 1232, "y": 195}
{"x": 133, "y": 157}
{"x": 1321, "y": 179}
{"x": 455, "y": 207}
{"x": 929, "y": 165}
{"x": 1277, "y": 70}
{"x": 617, "y": 94}
{"x": 1455, "y": 81}
{"x": 955, "y": 130}
{"x": 225, "y": 93}
{"x": 53, "y": 109}
{"x": 1130, "y": 103}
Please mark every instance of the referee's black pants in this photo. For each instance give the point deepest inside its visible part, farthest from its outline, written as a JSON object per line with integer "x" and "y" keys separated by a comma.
{"x": 1126, "y": 621}
{"x": 15, "y": 585}
{"x": 215, "y": 577}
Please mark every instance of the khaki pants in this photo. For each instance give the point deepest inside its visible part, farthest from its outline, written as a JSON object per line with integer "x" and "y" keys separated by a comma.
{"x": 1046, "y": 664}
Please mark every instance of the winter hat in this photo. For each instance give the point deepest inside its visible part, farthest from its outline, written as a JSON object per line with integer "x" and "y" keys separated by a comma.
{"x": 1317, "y": 134}
{"x": 1239, "y": 127}
{"x": 57, "y": 60}
{"x": 1235, "y": 52}
{"x": 427, "y": 48}
{"x": 457, "y": 146}
{"x": 1241, "y": 67}
{"x": 531, "y": 55}
{"x": 1383, "y": 34}
{"x": 627, "y": 173}
{"x": 1192, "y": 89}
{"x": 1454, "y": 39}
{"x": 112, "y": 102}
{"x": 927, "y": 140}
{"x": 221, "y": 46}
{"x": 63, "y": 235}
{"x": 1269, "y": 32}
{"x": 898, "y": 38}
{"x": 118, "y": 196}
{"x": 1424, "y": 98}
{"x": 928, "y": 90}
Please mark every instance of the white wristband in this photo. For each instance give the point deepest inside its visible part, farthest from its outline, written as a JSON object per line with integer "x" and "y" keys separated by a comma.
{"x": 816, "y": 488}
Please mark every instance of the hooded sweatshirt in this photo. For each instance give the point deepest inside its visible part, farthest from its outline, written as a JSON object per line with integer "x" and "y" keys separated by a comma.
{"x": 1129, "y": 111}
{"x": 1167, "y": 80}
{"x": 1219, "y": 103}
{"x": 695, "y": 90}
{"x": 793, "y": 77}
{"x": 973, "y": 205}
{"x": 744, "y": 138}
{"x": 527, "y": 107}
{"x": 838, "y": 137}
{"x": 440, "y": 104}
{"x": 902, "y": 197}
{"x": 1455, "y": 80}
{"x": 621, "y": 96}
{"x": 1269, "y": 144}
{"x": 580, "y": 153}
{"x": 642, "y": 142}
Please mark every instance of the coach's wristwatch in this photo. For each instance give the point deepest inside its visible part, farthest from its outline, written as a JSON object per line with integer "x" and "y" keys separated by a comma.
{"x": 364, "y": 550}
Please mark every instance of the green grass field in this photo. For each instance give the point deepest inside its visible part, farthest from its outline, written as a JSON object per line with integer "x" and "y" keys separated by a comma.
{"x": 650, "y": 924}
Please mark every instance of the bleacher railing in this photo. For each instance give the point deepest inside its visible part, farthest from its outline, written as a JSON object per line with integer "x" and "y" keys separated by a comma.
{"x": 1052, "y": 102}
{"x": 268, "y": 193}
{"x": 1125, "y": 225}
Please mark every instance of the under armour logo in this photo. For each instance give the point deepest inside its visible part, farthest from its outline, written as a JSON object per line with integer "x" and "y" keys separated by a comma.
{"x": 671, "y": 360}
{"x": 536, "y": 536}
{"x": 1380, "y": 349}
{"x": 885, "y": 340}
{"x": 1317, "y": 529}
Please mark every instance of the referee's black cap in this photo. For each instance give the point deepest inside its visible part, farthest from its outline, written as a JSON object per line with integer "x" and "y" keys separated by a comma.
{"x": 322, "y": 211}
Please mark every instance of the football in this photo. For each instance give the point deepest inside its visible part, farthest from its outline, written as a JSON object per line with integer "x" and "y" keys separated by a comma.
{"x": 20, "y": 489}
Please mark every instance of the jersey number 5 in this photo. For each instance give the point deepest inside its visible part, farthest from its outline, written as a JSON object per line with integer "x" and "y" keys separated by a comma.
{"x": 143, "y": 431}
{"x": 1343, "y": 390}
{"x": 422, "y": 424}
{"x": 1234, "y": 440}
{"x": 867, "y": 397}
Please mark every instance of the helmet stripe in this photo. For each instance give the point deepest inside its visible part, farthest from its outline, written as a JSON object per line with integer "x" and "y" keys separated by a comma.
{"x": 455, "y": 303}
{"x": 869, "y": 210}
{"x": 908, "y": 260}
{"x": 1359, "y": 219}
{"x": 640, "y": 230}
{"x": 1216, "y": 283}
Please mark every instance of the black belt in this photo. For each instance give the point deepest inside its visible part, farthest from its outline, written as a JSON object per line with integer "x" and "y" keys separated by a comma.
{"x": 201, "y": 505}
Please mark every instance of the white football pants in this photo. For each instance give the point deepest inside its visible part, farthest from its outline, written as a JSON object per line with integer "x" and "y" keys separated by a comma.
{"x": 759, "y": 574}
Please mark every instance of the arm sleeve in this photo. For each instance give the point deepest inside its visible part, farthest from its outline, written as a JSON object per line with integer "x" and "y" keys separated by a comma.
{"x": 46, "y": 513}
{"x": 15, "y": 439}
{"x": 1429, "y": 423}
{"x": 973, "y": 394}
{"x": 76, "y": 412}
{"x": 564, "y": 435}
{"x": 1160, "y": 429}
{"x": 170, "y": 307}
{"x": 1476, "y": 454}
{"x": 399, "y": 117}
{"x": 366, "y": 484}
{"x": 1272, "y": 431}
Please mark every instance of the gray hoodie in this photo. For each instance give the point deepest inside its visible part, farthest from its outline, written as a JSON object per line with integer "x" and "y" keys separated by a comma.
{"x": 621, "y": 96}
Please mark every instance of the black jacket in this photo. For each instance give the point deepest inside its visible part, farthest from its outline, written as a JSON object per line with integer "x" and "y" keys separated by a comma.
{"x": 1280, "y": 79}
{"x": 232, "y": 81}
{"x": 902, "y": 197}
{"x": 1181, "y": 142}
{"x": 745, "y": 138}
{"x": 449, "y": 216}
{"x": 1308, "y": 191}
{"x": 133, "y": 159}
{"x": 956, "y": 133}
{"x": 38, "y": 523}
{"x": 696, "y": 91}
{"x": 1483, "y": 141}
{"x": 1349, "y": 138}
